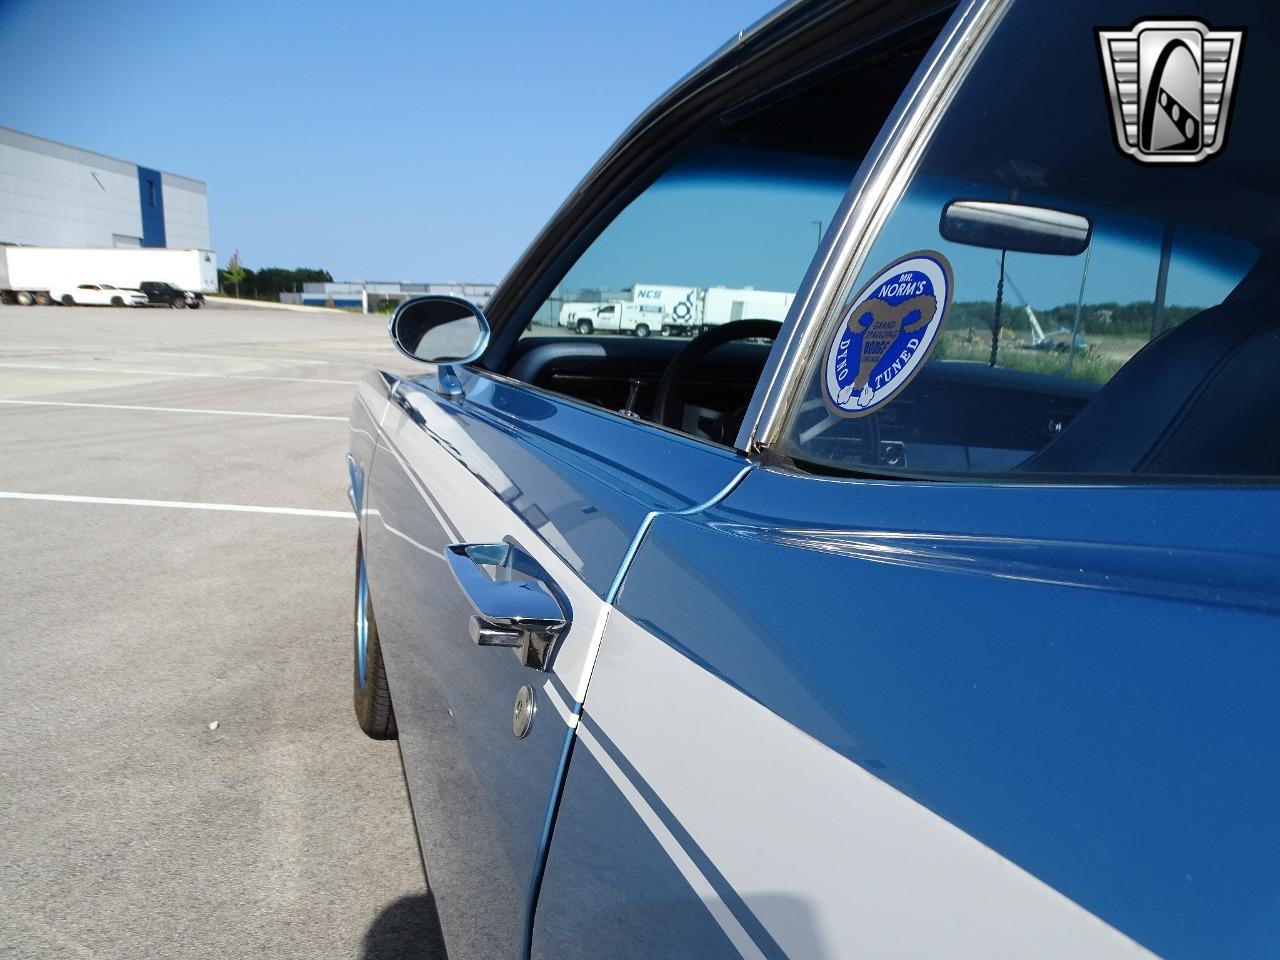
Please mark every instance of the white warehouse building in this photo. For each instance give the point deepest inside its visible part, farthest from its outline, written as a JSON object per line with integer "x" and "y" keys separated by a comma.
{"x": 60, "y": 196}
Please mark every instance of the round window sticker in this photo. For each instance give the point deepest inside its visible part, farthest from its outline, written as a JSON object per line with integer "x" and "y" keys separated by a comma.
{"x": 887, "y": 333}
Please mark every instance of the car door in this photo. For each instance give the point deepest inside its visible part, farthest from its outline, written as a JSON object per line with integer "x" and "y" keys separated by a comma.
{"x": 989, "y": 674}
{"x": 539, "y": 466}
{"x": 502, "y": 465}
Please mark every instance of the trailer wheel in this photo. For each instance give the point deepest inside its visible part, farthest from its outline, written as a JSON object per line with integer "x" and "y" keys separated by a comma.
{"x": 24, "y": 298}
{"x": 117, "y": 301}
{"x": 68, "y": 300}
{"x": 584, "y": 326}
{"x": 642, "y": 329}
{"x": 43, "y": 299}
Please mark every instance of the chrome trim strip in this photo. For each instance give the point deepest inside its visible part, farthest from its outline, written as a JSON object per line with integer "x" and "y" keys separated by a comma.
{"x": 866, "y": 206}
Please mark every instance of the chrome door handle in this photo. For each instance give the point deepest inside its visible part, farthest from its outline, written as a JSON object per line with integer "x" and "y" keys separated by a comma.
{"x": 516, "y": 603}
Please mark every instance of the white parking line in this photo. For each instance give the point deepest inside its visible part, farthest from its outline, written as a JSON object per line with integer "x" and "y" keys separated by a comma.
{"x": 172, "y": 373}
{"x": 32, "y": 351}
{"x": 128, "y": 406}
{"x": 176, "y": 505}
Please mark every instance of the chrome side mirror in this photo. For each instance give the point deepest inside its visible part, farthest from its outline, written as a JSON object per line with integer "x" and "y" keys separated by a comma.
{"x": 440, "y": 330}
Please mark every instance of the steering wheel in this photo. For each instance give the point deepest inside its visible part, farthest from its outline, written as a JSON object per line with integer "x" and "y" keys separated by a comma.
{"x": 667, "y": 410}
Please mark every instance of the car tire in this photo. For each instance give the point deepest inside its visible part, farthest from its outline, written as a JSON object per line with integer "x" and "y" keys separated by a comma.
{"x": 194, "y": 304}
{"x": 178, "y": 303}
{"x": 370, "y": 693}
{"x": 68, "y": 300}
{"x": 117, "y": 301}
{"x": 585, "y": 327}
{"x": 642, "y": 329}
{"x": 24, "y": 298}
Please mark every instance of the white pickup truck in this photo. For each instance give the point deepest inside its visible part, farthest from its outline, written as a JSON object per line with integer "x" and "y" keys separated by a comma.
{"x": 613, "y": 316}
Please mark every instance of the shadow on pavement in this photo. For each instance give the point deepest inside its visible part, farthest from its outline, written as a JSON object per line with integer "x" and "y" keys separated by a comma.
{"x": 408, "y": 929}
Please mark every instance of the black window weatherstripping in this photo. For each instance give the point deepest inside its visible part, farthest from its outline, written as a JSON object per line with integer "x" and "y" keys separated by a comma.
{"x": 796, "y": 44}
{"x": 880, "y": 181}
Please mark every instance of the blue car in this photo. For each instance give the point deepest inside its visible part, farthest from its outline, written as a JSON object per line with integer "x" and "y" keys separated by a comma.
{"x": 868, "y": 632}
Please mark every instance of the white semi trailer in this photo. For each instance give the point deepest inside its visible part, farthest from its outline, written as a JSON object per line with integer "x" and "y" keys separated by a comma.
{"x": 690, "y": 310}
{"x": 33, "y": 274}
{"x": 726, "y": 304}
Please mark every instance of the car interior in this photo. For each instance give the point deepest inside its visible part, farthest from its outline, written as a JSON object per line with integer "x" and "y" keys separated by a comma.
{"x": 624, "y": 373}
{"x": 1197, "y": 399}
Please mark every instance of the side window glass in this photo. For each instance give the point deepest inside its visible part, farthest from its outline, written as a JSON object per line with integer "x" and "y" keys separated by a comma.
{"x": 723, "y": 236}
{"x": 1041, "y": 304}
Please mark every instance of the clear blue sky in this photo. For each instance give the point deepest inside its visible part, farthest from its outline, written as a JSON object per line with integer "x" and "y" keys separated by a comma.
{"x": 394, "y": 140}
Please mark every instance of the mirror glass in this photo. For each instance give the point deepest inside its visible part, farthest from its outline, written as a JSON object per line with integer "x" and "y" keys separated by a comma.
{"x": 439, "y": 330}
{"x": 1015, "y": 227}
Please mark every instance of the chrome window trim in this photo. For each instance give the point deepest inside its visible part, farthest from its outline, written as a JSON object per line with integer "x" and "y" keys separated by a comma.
{"x": 866, "y": 206}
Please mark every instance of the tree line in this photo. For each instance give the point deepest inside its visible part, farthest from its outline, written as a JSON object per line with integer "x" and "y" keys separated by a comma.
{"x": 268, "y": 283}
{"x": 1121, "y": 319}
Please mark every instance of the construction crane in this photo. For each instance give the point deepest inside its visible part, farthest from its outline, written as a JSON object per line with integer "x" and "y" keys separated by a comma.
{"x": 1058, "y": 340}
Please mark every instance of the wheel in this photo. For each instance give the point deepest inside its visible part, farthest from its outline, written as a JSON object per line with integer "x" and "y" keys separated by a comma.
{"x": 584, "y": 326}
{"x": 68, "y": 300}
{"x": 371, "y": 695}
{"x": 194, "y": 304}
{"x": 117, "y": 301}
{"x": 178, "y": 303}
{"x": 43, "y": 299}
{"x": 642, "y": 329}
{"x": 24, "y": 298}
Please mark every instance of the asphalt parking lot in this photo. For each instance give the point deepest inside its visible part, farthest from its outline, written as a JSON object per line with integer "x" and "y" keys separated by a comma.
{"x": 148, "y": 607}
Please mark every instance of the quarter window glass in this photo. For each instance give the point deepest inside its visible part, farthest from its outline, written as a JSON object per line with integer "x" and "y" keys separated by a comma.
{"x": 1146, "y": 351}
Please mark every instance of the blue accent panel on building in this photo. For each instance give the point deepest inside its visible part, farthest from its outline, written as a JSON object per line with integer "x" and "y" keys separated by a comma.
{"x": 1081, "y": 678}
{"x": 151, "y": 197}
{"x": 324, "y": 301}
{"x": 609, "y": 889}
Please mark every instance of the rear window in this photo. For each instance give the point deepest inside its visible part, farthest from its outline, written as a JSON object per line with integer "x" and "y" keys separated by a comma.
{"x": 1042, "y": 301}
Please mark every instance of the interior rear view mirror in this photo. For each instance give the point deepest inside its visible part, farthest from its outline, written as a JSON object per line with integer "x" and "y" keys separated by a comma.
{"x": 1016, "y": 227}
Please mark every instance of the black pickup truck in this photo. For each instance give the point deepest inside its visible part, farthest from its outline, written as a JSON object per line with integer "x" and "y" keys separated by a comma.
{"x": 167, "y": 295}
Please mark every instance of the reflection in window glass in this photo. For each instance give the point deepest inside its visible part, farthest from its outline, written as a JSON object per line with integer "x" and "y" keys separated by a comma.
{"x": 1128, "y": 355}
{"x": 725, "y": 235}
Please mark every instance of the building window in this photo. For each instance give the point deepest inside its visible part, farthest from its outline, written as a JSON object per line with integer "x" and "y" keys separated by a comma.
{"x": 151, "y": 192}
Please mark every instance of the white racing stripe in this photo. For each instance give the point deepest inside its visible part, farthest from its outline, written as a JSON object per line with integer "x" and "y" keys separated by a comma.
{"x": 177, "y": 505}
{"x": 568, "y": 716}
{"x": 130, "y": 406}
{"x": 866, "y": 870}
{"x": 734, "y": 930}
{"x": 172, "y": 373}
{"x": 405, "y": 537}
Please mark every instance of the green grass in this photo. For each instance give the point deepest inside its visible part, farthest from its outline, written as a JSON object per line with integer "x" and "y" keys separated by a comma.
{"x": 1087, "y": 365}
